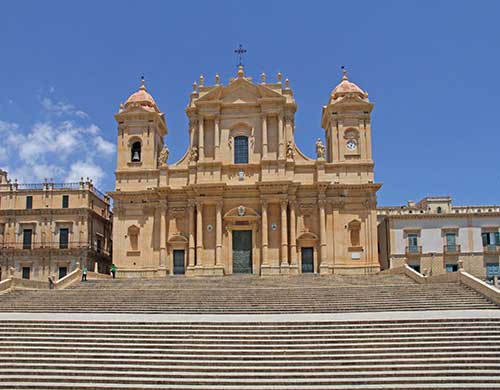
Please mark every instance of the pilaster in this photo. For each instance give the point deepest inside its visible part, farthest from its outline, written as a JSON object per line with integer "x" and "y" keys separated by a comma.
{"x": 284, "y": 237}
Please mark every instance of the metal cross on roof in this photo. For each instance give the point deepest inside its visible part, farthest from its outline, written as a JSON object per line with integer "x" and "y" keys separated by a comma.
{"x": 239, "y": 52}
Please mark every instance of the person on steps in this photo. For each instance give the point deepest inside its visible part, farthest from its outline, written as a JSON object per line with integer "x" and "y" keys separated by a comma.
{"x": 84, "y": 274}
{"x": 113, "y": 270}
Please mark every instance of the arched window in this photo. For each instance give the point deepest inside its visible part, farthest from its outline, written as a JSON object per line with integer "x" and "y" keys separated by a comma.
{"x": 241, "y": 150}
{"x": 439, "y": 210}
{"x": 135, "y": 152}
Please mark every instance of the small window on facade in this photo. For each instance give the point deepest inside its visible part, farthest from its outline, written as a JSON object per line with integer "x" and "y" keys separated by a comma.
{"x": 26, "y": 272}
{"x": 241, "y": 150}
{"x": 27, "y": 236}
{"x": 413, "y": 242}
{"x": 63, "y": 238}
{"x": 451, "y": 267}
{"x": 451, "y": 240}
{"x": 29, "y": 202}
{"x": 63, "y": 271}
{"x": 65, "y": 201}
{"x": 98, "y": 245}
{"x": 491, "y": 238}
{"x": 439, "y": 210}
{"x": 136, "y": 152}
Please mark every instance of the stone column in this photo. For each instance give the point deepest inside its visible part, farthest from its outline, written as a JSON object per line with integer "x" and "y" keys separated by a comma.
{"x": 199, "y": 232}
{"x": 322, "y": 232}
{"x": 264, "y": 135}
{"x": 281, "y": 141}
{"x": 265, "y": 232}
{"x": 217, "y": 137}
{"x": 191, "y": 235}
{"x": 163, "y": 236}
{"x": 201, "y": 140}
{"x": 218, "y": 233}
{"x": 192, "y": 131}
{"x": 284, "y": 234}
{"x": 293, "y": 238}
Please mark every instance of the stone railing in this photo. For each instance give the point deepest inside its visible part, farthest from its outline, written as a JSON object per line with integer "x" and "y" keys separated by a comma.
{"x": 481, "y": 287}
{"x": 14, "y": 284}
{"x": 69, "y": 279}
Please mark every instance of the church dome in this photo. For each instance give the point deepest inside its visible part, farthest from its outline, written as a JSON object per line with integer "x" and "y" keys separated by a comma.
{"x": 142, "y": 98}
{"x": 347, "y": 87}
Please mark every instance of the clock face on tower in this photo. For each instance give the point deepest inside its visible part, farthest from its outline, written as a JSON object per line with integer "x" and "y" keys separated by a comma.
{"x": 351, "y": 145}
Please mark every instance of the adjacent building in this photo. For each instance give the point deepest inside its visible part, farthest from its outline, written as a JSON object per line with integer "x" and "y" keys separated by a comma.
{"x": 433, "y": 235}
{"x": 244, "y": 198}
{"x": 46, "y": 228}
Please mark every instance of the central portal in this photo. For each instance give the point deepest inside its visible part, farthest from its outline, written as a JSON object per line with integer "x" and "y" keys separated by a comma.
{"x": 242, "y": 251}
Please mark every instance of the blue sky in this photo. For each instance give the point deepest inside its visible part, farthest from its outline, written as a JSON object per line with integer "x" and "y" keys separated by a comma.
{"x": 430, "y": 67}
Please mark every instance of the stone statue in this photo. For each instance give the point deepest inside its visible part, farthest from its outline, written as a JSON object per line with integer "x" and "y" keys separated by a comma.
{"x": 193, "y": 154}
{"x": 320, "y": 149}
{"x": 289, "y": 150}
{"x": 162, "y": 159}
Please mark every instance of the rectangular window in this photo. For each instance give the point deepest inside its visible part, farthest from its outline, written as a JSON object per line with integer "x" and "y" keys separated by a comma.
{"x": 26, "y": 272}
{"x": 98, "y": 245}
{"x": 492, "y": 269}
{"x": 451, "y": 267}
{"x": 65, "y": 201}
{"x": 451, "y": 242}
{"x": 63, "y": 271}
{"x": 491, "y": 238}
{"x": 27, "y": 235}
{"x": 413, "y": 242}
{"x": 241, "y": 150}
{"x": 29, "y": 202}
{"x": 63, "y": 238}
{"x": 415, "y": 267}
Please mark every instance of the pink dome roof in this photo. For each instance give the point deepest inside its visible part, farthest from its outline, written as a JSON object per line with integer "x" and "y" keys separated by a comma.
{"x": 347, "y": 87}
{"x": 142, "y": 98}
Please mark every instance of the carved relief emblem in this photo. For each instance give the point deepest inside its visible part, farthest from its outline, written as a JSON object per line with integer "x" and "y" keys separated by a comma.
{"x": 241, "y": 211}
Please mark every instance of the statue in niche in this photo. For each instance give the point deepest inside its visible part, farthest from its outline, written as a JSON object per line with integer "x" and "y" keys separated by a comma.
{"x": 289, "y": 150}
{"x": 162, "y": 159}
{"x": 193, "y": 154}
{"x": 320, "y": 149}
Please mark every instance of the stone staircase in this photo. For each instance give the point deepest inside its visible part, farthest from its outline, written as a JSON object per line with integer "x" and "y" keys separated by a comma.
{"x": 379, "y": 354}
{"x": 247, "y": 295}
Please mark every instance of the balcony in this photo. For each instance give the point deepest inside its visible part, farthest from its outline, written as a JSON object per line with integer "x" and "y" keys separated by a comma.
{"x": 491, "y": 249}
{"x": 53, "y": 245}
{"x": 451, "y": 249}
{"x": 413, "y": 250}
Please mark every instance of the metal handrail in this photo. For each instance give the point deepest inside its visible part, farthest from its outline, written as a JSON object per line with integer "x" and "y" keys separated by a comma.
{"x": 451, "y": 248}
{"x": 414, "y": 249}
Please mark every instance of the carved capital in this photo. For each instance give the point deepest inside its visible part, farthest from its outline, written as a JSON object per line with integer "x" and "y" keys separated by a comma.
{"x": 283, "y": 204}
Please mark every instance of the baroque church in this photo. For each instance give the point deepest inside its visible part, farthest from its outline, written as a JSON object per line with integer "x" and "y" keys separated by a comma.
{"x": 244, "y": 198}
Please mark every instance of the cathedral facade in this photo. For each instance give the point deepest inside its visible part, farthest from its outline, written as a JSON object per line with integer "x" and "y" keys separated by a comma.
{"x": 244, "y": 198}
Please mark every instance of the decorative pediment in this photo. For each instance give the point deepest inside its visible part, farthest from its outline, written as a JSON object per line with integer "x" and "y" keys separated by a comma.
{"x": 308, "y": 236}
{"x": 177, "y": 238}
{"x": 239, "y": 91}
{"x": 241, "y": 212}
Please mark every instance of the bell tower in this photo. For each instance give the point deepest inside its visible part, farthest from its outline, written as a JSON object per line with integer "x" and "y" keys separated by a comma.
{"x": 141, "y": 128}
{"x": 346, "y": 120}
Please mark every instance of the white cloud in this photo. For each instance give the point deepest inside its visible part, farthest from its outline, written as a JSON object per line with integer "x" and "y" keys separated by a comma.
{"x": 61, "y": 108}
{"x": 4, "y": 157}
{"x": 103, "y": 146}
{"x": 65, "y": 147}
{"x": 85, "y": 169}
{"x": 8, "y": 126}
